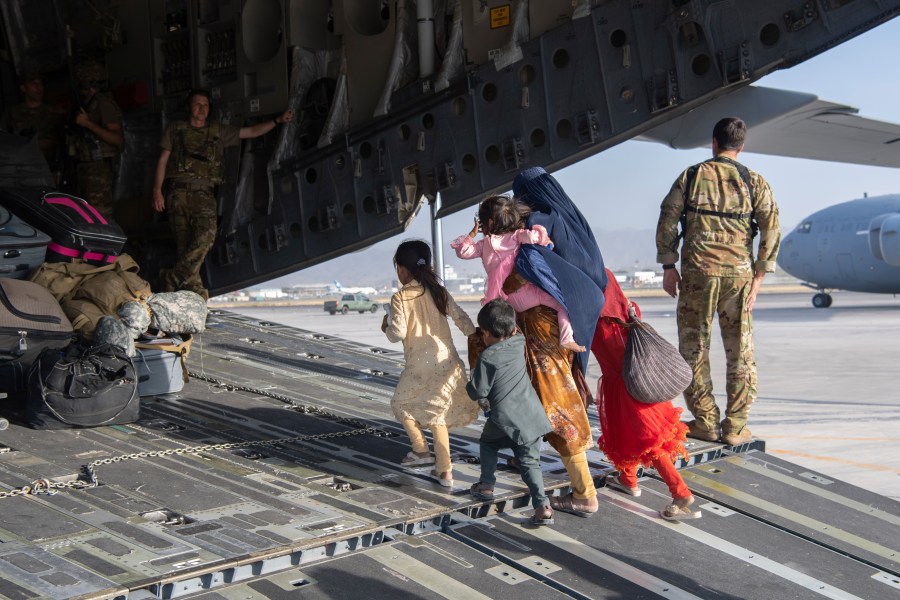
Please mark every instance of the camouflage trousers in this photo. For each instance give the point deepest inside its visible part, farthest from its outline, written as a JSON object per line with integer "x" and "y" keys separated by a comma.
{"x": 701, "y": 298}
{"x": 95, "y": 184}
{"x": 192, "y": 216}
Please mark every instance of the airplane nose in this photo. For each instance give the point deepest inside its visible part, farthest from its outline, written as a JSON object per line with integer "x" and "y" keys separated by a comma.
{"x": 789, "y": 256}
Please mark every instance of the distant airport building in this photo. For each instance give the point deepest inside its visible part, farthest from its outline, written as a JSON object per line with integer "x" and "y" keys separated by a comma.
{"x": 647, "y": 279}
{"x": 309, "y": 290}
{"x": 463, "y": 285}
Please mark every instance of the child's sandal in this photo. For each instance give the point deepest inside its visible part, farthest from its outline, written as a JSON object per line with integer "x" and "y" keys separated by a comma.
{"x": 542, "y": 516}
{"x": 482, "y": 491}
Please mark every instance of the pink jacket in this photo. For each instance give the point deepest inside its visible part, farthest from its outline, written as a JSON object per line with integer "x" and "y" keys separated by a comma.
{"x": 498, "y": 255}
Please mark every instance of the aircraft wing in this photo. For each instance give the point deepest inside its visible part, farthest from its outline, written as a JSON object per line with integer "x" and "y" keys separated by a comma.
{"x": 785, "y": 123}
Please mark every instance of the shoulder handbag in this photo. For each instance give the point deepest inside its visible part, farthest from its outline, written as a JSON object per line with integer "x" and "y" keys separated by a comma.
{"x": 653, "y": 369}
{"x": 82, "y": 386}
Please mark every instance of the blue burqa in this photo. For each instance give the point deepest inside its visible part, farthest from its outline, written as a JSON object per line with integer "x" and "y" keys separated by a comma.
{"x": 573, "y": 271}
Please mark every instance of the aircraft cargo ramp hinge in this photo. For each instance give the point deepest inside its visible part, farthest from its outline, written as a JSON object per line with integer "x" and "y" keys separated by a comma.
{"x": 325, "y": 219}
{"x": 735, "y": 63}
{"x": 273, "y": 239}
{"x": 587, "y": 127}
{"x": 662, "y": 90}
{"x": 513, "y": 154}
{"x": 387, "y": 202}
{"x": 445, "y": 176}
{"x": 795, "y": 21}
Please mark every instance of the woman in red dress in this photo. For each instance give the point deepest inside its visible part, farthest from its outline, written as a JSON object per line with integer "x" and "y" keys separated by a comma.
{"x": 634, "y": 433}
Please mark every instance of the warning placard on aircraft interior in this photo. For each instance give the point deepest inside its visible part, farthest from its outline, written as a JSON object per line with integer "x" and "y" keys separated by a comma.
{"x": 500, "y": 16}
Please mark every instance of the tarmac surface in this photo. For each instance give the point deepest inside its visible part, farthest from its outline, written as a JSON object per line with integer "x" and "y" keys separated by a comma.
{"x": 829, "y": 396}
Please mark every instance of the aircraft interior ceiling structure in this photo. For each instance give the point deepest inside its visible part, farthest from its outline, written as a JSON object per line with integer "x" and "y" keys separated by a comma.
{"x": 399, "y": 102}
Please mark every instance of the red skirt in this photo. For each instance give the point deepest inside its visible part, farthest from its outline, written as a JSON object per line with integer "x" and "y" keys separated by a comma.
{"x": 632, "y": 433}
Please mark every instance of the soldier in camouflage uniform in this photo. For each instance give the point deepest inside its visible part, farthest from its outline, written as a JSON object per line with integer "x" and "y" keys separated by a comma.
{"x": 99, "y": 141}
{"x": 719, "y": 204}
{"x": 34, "y": 118}
{"x": 192, "y": 162}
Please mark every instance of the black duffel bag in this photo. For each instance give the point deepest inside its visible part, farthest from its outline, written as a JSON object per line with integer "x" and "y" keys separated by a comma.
{"x": 82, "y": 386}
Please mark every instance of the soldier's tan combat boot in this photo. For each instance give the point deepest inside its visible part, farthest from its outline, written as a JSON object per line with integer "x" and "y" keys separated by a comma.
{"x": 696, "y": 431}
{"x": 736, "y": 439}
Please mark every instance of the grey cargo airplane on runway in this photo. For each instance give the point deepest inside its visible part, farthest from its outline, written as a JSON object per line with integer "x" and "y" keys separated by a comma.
{"x": 852, "y": 246}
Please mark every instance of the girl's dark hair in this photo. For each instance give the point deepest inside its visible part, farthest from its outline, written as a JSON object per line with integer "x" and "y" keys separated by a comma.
{"x": 505, "y": 214}
{"x": 415, "y": 257}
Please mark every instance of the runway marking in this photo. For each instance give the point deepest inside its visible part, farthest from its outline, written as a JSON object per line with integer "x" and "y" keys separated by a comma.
{"x": 764, "y": 470}
{"x": 791, "y": 515}
{"x": 862, "y": 465}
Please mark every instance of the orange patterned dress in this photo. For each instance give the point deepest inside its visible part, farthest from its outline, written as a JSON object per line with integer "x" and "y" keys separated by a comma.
{"x": 550, "y": 370}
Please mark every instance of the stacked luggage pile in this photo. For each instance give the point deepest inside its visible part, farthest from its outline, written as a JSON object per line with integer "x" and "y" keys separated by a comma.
{"x": 82, "y": 335}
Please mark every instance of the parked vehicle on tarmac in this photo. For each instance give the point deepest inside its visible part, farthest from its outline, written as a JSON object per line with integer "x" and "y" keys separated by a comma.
{"x": 348, "y": 302}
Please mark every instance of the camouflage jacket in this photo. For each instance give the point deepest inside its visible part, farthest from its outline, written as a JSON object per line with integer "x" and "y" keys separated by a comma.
{"x": 102, "y": 110}
{"x": 719, "y": 245}
{"x": 198, "y": 152}
{"x": 40, "y": 120}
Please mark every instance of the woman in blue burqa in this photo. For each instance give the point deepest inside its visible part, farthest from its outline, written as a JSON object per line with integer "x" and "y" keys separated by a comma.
{"x": 573, "y": 273}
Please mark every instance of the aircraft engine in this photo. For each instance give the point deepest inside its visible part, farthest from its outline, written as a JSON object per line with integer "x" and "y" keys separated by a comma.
{"x": 884, "y": 238}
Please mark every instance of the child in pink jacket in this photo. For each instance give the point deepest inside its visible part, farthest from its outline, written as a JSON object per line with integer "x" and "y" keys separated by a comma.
{"x": 502, "y": 221}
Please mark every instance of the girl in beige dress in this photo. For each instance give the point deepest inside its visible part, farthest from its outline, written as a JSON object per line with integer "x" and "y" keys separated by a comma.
{"x": 431, "y": 393}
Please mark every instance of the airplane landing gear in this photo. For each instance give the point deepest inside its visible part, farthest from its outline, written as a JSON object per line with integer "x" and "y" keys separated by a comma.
{"x": 822, "y": 300}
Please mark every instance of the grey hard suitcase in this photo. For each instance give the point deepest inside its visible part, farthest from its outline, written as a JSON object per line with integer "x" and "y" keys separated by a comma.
{"x": 22, "y": 247}
{"x": 160, "y": 364}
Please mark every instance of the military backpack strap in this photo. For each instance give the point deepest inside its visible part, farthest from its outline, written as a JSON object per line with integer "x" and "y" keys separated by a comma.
{"x": 744, "y": 172}
{"x": 688, "y": 182}
{"x": 183, "y": 349}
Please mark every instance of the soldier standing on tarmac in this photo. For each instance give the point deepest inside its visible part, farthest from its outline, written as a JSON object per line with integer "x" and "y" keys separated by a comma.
{"x": 720, "y": 205}
{"x": 99, "y": 141}
{"x": 195, "y": 149}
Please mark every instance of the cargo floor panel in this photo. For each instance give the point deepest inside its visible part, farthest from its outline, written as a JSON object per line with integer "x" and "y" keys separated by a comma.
{"x": 842, "y": 517}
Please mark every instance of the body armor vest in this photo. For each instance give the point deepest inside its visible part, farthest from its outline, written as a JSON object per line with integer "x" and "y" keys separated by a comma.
{"x": 197, "y": 153}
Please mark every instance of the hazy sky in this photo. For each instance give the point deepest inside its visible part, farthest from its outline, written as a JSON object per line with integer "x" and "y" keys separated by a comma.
{"x": 621, "y": 188}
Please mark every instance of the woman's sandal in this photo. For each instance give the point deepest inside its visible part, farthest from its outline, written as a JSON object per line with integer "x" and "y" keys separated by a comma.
{"x": 680, "y": 511}
{"x": 567, "y": 504}
{"x": 446, "y": 482}
{"x": 613, "y": 482}
{"x": 415, "y": 460}
{"x": 542, "y": 518}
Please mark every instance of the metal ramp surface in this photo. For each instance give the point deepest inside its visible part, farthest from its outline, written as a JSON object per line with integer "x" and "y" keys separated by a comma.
{"x": 275, "y": 472}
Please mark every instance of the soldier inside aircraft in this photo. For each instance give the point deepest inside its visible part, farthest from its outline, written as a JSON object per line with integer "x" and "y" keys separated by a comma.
{"x": 197, "y": 148}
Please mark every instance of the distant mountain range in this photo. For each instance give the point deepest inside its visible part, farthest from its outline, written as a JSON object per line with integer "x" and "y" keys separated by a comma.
{"x": 623, "y": 250}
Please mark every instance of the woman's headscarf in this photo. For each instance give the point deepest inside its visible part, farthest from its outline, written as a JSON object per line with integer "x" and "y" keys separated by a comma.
{"x": 573, "y": 271}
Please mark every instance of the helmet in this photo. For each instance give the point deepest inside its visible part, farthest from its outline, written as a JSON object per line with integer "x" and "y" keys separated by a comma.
{"x": 90, "y": 72}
